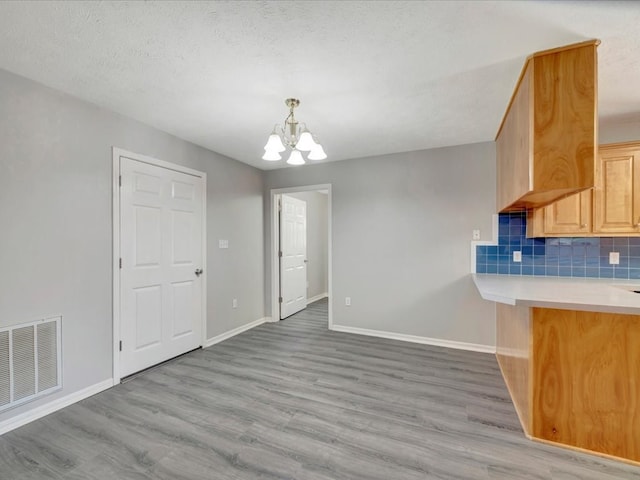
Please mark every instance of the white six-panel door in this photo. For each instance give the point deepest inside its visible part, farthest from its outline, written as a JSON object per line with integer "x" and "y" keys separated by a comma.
{"x": 293, "y": 261}
{"x": 160, "y": 279}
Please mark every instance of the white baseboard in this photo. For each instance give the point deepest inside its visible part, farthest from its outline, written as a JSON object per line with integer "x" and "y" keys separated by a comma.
{"x": 270, "y": 320}
{"x": 317, "y": 297}
{"x": 53, "y": 406}
{"x": 473, "y": 347}
{"x": 232, "y": 333}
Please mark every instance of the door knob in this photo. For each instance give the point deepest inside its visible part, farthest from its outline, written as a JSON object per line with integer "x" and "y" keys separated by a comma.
{"x": 198, "y": 272}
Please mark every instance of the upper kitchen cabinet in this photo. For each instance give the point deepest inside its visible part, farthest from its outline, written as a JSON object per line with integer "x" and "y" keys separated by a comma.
{"x": 568, "y": 217}
{"x": 546, "y": 144}
{"x": 617, "y": 192}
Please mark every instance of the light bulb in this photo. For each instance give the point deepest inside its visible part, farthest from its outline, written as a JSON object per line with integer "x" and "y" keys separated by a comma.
{"x": 317, "y": 153}
{"x": 295, "y": 158}
{"x": 306, "y": 142}
{"x": 274, "y": 144}
{"x": 271, "y": 156}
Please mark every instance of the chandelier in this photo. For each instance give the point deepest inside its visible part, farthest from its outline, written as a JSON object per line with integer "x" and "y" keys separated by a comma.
{"x": 294, "y": 135}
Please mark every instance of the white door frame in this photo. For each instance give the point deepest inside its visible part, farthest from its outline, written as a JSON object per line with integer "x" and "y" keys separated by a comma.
{"x": 275, "y": 247}
{"x": 117, "y": 153}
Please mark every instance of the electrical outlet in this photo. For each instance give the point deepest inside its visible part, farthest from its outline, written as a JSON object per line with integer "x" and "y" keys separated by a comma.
{"x": 347, "y": 301}
{"x": 614, "y": 258}
{"x": 517, "y": 256}
{"x": 476, "y": 234}
{"x": 234, "y": 303}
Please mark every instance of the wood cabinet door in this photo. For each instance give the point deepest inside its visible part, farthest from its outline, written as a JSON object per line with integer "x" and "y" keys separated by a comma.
{"x": 571, "y": 215}
{"x": 617, "y": 192}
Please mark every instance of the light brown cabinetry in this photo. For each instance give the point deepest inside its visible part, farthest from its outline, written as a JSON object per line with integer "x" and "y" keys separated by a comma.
{"x": 612, "y": 208}
{"x": 574, "y": 376}
{"x": 546, "y": 144}
{"x": 570, "y": 216}
{"x": 617, "y": 195}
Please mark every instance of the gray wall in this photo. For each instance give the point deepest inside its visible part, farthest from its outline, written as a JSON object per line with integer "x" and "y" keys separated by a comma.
{"x": 619, "y": 130}
{"x": 402, "y": 228}
{"x": 56, "y": 223}
{"x": 317, "y": 248}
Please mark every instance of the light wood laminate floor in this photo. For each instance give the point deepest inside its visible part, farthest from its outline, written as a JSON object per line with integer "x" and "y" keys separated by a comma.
{"x": 293, "y": 400}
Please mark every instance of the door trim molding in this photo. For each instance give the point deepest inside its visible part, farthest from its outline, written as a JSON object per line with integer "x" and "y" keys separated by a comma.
{"x": 115, "y": 182}
{"x": 275, "y": 245}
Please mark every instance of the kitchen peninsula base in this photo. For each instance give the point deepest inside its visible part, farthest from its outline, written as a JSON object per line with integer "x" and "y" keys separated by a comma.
{"x": 574, "y": 376}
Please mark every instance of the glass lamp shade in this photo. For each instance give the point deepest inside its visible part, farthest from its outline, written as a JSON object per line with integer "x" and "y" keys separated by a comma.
{"x": 317, "y": 153}
{"x": 295, "y": 158}
{"x": 274, "y": 144}
{"x": 271, "y": 156}
{"x": 306, "y": 142}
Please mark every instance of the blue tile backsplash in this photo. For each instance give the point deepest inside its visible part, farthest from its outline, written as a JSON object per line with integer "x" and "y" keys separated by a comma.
{"x": 553, "y": 257}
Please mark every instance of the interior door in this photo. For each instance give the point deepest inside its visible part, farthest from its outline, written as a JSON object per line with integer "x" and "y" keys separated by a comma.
{"x": 293, "y": 256}
{"x": 160, "y": 276}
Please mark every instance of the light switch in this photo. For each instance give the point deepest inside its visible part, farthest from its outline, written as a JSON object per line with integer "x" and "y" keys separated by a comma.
{"x": 223, "y": 243}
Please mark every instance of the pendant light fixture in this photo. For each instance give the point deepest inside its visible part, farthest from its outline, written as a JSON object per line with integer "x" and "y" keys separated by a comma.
{"x": 294, "y": 135}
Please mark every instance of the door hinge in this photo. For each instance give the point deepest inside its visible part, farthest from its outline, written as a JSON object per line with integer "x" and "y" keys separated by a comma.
{"x": 120, "y": 345}
{"x": 280, "y": 253}
{"x": 120, "y": 181}
{"x": 279, "y": 299}
{"x": 120, "y": 263}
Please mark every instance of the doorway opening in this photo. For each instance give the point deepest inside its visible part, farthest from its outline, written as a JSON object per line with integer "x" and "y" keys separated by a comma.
{"x": 300, "y": 255}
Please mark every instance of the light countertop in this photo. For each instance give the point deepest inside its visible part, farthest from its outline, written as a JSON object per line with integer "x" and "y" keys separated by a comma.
{"x": 567, "y": 293}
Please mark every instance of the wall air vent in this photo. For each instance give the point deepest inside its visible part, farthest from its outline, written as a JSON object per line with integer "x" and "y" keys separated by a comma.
{"x": 30, "y": 361}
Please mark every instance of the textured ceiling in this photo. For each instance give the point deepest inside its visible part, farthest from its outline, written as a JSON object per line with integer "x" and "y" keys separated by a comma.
{"x": 374, "y": 77}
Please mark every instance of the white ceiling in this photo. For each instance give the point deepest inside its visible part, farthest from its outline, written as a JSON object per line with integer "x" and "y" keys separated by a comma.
{"x": 374, "y": 77}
